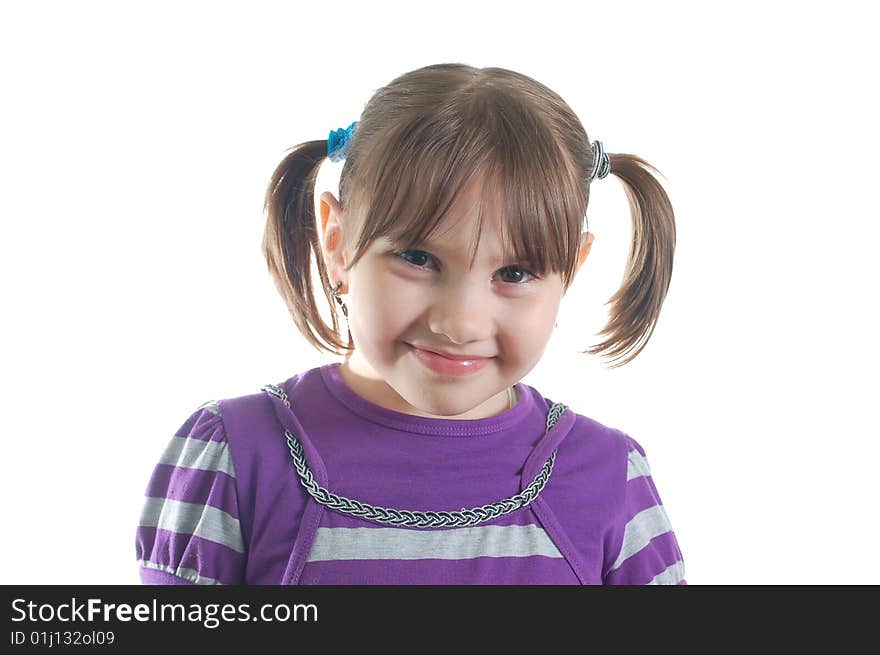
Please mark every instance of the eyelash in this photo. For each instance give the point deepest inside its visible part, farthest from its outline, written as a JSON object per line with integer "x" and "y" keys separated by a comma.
{"x": 401, "y": 253}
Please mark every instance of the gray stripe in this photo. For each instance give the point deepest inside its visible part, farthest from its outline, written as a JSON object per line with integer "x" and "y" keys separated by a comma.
{"x": 636, "y": 466}
{"x": 198, "y": 454}
{"x": 673, "y": 574}
{"x": 643, "y": 527}
{"x": 203, "y": 521}
{"x": 187, "y": 574}
{"x": 211, "y": 406}
{"x": 457, "y": 543}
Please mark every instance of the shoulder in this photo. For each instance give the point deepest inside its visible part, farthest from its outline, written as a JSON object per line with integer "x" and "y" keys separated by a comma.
{"x": 589, "y": 443}
{"x": 594, "y": 462}
{"x": 616, "y": 447}
{"x": 253, "y": 412}
{"x": 255, "y": 426}
{"x": 204, "y": 422}
{"x": 595, "y": 444}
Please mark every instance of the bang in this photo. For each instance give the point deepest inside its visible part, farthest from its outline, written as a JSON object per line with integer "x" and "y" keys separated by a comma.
{"x": 428, "y": 164}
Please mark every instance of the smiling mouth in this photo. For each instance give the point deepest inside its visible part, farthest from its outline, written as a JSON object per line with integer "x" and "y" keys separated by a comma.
{"x": 446, "y": 366}
{"x": 450, "y": 356}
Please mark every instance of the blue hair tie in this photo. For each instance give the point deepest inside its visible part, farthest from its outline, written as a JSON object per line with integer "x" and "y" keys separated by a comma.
{"x": 339, "y": 141}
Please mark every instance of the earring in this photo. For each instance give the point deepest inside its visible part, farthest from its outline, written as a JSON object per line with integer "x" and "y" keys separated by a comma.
{"x": 339, "y": 300}
{"x": 335, "y": 291}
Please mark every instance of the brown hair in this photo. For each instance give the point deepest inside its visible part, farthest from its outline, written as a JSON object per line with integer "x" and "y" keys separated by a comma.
{"x": 418, "y": 140}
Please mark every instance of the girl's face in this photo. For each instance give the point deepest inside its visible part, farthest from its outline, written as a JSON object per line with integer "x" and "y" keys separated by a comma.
{"x": 428, "y": 297}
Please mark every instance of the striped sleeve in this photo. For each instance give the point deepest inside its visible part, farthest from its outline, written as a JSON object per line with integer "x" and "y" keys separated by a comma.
{"x": 189, "y": 530}
{"x": 644, "y": 550}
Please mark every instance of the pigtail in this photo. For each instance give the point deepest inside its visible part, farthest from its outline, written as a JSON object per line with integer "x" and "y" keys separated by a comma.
{"x": 291, "y": 238}
{"x": 635, "y": 307}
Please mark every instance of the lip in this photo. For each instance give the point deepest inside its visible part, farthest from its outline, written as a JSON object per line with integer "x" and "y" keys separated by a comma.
{"x": 470, "y": 358}
{"x": 454, "y": 365}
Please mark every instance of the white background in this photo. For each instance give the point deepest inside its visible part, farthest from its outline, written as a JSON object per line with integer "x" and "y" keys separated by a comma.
{"x": 137, "y": 143}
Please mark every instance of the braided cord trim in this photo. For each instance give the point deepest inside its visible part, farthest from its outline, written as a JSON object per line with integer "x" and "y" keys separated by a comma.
{"x": 409, "y": 518}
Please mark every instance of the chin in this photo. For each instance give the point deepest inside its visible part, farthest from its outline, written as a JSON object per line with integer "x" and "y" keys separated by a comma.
{"x": 448, "y": 409}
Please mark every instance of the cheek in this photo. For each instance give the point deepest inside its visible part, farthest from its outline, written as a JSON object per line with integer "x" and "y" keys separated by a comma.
{"x": 385, "y": 307}
{"x": 528, "y": 328}
{"x": 539, "y": 320}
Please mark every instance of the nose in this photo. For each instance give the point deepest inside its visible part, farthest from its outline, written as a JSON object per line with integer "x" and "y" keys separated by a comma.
{"x": 462, "y": 311}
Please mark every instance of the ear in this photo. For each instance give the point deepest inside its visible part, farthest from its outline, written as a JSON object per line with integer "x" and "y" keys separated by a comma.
{"x": 586, "y": 244}
{"x": 332, "y": 241}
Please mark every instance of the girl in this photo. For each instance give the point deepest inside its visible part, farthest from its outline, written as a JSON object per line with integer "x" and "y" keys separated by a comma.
{"x": 422, "y": 458}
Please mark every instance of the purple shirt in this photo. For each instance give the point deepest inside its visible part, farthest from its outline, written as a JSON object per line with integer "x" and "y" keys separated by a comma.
{"x": 225, "y": 504}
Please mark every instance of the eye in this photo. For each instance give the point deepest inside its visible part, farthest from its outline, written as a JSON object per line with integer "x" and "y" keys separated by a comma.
{"x": 517, "y": 276}
{"x": 523, "y": 274}
{"x": 407, "y": 256}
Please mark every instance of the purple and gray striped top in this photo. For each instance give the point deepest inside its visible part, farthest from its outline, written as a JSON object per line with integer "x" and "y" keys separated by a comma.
{"x": 225, "y": 504}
